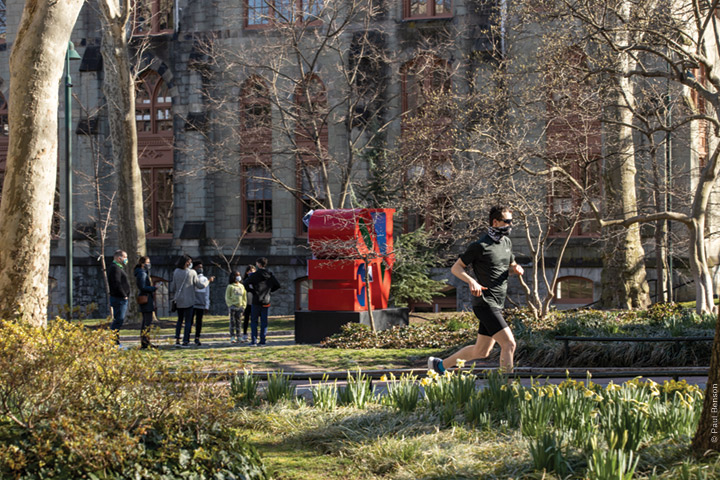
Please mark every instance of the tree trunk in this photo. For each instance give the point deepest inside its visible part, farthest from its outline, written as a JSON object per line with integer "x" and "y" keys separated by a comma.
{"x": 624, "y": 283}
{"x": 36, "y": 66}
{"x": 707, "y": 434}
{"x": 119, "y": 90}
{"x": 699, "y": 267}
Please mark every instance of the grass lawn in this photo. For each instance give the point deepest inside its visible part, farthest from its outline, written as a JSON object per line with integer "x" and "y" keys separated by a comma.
{"x": 218, "y": 354}
{"x": 291, "y": 358}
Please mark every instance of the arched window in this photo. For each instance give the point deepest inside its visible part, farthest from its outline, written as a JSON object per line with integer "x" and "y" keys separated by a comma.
{"x": 574, "y": 142}
{"x": 427, "y": 8}
{"x": 256, "y": 157}
{"x": 153, "y": 114}
{"x": 574, "y": 290}
{"x": 311, "y": 146}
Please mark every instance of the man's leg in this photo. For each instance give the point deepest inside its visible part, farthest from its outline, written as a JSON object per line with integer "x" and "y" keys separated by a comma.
{"x": 188, "y": 314}
{"x": 507, "y": 349}
{"x": 481, "y": 349}
{"x": 254, "y": 314}
{"x": 263, "y": 324}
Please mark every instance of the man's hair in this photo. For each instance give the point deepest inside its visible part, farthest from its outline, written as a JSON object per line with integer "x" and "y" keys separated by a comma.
{"x": 197, "y": 263}
{"x": 262, "y": 261}
{"x": 496, "y": 213}
{"x": 118, "y": 253}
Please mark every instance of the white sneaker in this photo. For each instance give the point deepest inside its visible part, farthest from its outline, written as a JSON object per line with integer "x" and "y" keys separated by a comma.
{"x": 244, "y": 338}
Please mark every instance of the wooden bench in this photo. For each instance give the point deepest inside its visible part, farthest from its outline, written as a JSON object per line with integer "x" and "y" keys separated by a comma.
{"x": 567, "y": 340}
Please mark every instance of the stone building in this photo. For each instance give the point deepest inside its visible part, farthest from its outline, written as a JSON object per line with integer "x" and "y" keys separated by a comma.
{"x": 205, "y": 180}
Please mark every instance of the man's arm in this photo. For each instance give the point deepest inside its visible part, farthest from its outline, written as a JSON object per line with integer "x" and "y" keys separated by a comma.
{"x": 458, "y": 269}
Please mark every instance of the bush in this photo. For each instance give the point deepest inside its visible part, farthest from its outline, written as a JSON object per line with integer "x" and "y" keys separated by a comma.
{"x": 72, "y": 405}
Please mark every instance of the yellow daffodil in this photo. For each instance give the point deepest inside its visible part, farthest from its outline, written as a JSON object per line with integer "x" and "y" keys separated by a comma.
{"x": 384, "y": 378}
{"x": 425, "y": 381}
{"x": 588, "y": 393}
{"x": 460, "y": 363}
{"x": 528, "y": 396}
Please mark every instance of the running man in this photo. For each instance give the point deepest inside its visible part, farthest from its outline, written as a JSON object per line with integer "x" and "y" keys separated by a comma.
{"x": 492, "y": 261}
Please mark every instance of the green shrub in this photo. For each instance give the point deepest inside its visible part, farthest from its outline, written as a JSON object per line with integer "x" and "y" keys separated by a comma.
{"x": 73, "y": 406}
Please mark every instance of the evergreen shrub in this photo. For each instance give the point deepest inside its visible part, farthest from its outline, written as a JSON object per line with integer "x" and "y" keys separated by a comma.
{"x": 73, "y": 405}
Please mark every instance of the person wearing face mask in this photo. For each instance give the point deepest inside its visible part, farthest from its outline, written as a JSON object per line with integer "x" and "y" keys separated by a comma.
{"x": 147, "y": 290}
{"x": 119, "y": 291}
{"x": 236, "y": 300}
{"x": 202, "y": 302}
{"x": 184, "y": 282}
{"x": 492, "y": 262}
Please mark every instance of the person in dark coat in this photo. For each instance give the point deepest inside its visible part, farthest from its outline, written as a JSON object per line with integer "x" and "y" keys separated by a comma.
{"x": 260, "y": 284}
{"x": 147, "y": 290}
{"x": 119, "y": 291}
{"x": 249, "y": 270}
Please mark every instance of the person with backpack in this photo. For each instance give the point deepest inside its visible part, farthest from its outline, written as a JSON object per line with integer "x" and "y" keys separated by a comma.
{"x": 260, "y": 284}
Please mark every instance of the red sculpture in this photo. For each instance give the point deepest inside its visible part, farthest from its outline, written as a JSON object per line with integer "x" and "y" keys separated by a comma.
{"x": 345, "y": 244}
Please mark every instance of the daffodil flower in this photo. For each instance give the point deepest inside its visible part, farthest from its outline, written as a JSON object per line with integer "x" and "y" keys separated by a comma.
{"x": 460, "y": 363}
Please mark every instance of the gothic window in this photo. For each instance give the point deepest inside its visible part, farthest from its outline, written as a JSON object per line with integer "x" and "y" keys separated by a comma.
{"x": 255, "y": 120}
{"x": 573, "y": 142}
{"x": 153, "y": 17}
{"x": 311, "y": 143}
{"x": 153, "y": 114}
{"x": 427, "y": 8}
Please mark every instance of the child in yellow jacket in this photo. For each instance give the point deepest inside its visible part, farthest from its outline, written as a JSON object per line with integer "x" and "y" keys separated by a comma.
{"x": 236, "y": 300}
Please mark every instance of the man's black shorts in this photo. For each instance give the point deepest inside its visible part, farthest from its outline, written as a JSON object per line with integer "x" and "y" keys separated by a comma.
{"x": 491, "y": 320}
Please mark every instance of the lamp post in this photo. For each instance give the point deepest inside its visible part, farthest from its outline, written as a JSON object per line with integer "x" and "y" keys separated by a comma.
{"x": 70, "y": 54}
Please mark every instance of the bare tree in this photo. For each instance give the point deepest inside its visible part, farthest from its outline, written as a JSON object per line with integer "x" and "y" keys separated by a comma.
{"x": 119, "y": 89}
{"x": 26, "y": 212}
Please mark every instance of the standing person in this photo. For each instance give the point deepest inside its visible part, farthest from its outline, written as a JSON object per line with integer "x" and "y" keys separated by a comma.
{"x": 202, "y": 302}
{"x": 492, "y": 261}
{"x": 236, "y": 300}
{"x": 119, "y": 291}
{"x": 250, "y": 269}
{"x": 147, "y": 290}
{"x": 260, "y": 284}
{"x": 184, "y": 282}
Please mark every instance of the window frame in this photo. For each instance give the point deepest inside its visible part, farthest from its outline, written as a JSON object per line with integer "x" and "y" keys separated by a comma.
{"x": 431, "y": 9}
{"x": 244, "y": 216}
{"x": 155, "y": 149}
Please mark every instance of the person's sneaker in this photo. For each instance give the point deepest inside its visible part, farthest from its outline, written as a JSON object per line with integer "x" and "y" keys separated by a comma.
{"x": 197, "y": 342}
{"x": 253, "y": 344}
{"x": 185, "y": 344}
{"x": 233, "y": 339}
{"x": 177, "y": 343}
{"x": 436, "y": 365}
{"x": 244, "y": 338}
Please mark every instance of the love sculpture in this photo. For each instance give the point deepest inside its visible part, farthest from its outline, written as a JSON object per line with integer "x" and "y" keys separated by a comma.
{"x": 350, "y": 271}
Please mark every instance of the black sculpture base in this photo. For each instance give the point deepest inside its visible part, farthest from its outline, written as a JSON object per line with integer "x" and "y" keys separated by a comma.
{"x": 315, "y": 326}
